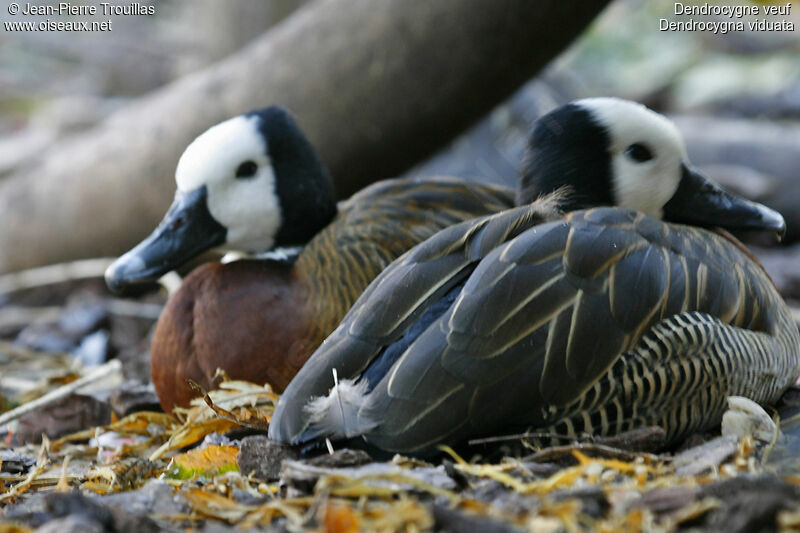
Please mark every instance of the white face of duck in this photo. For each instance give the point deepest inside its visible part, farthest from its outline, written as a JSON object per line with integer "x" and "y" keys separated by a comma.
{"x": 608, "y": 151}
{"x": 231, "y": 161}
{"x": 251, "y": 183}
{"x": 647, "y": 153}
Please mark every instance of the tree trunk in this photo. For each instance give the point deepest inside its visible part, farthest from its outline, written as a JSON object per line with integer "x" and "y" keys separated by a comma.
{"x": 376, "y": 85}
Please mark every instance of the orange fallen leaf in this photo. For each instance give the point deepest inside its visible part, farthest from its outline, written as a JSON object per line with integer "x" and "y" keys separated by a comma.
{"x": 209, "y": 461}
{"x": 341, "y": 519}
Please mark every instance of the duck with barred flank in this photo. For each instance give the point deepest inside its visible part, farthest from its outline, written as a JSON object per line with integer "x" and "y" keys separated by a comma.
{"x": 602, "y": 320}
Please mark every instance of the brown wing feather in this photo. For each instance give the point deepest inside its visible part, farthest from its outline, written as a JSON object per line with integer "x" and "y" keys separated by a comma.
{"x": 377, "y": 225}
{"x": 393, "y": 300}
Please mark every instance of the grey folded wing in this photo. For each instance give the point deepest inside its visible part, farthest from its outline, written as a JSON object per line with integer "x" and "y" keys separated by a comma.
{"x": 544, "y": 312}
{"x": 398, "y": 296}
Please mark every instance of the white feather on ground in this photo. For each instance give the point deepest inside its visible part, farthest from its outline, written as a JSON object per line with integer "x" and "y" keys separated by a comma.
{"x": 337, "y": 414}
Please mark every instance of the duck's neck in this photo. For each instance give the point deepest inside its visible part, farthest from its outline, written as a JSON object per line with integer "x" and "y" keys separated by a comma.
{"x": 302, "y": 184}
{"x": 312, "y": 209}
{"x": 569, "y": 149}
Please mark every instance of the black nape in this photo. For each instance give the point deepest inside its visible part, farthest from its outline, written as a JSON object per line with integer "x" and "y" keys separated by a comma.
{"x": 301, "y": 181}
{"x": 568, "y": 147}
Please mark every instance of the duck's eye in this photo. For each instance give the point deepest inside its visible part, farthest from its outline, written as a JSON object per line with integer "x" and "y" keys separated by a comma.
{"x": 639, "y": 152}
{"x": 246, "y": 170}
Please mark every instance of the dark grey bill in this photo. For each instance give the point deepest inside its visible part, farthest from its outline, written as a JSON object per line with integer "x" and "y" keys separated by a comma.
{"x": 187, "y": 230}
{"x": 701, "y": 202}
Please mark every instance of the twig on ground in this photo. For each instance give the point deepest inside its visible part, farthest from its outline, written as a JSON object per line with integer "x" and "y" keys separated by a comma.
{"x": 48, "y": 275}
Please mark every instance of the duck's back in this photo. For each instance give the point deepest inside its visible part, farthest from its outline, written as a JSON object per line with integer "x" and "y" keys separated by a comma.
{"x": 376, "y": 226}
{"x": 260, "y": 320}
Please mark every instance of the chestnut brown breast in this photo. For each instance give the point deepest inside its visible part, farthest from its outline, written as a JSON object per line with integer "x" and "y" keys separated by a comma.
{"x": 245, "y": 317}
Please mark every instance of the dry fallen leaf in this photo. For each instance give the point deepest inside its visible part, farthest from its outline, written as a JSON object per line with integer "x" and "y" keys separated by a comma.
{"x": 208, "y": 462}
{"x": 340, "y": 519}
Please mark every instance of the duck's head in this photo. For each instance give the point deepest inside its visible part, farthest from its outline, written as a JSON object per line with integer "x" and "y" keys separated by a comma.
{"x": 252, "y": 183}
{"x": 608, "y": 151}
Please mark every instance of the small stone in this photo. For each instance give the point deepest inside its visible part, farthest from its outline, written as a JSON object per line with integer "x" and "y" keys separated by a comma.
{"x": 132, "y": 397}
{"x": 263, "y": 458}
{"x": 341, "y": 459}
{"x": 74, "y": 413}
{"x": 154, "y": 498}
{"x": 65, "y": 504}
{"x": 15, "y": 463}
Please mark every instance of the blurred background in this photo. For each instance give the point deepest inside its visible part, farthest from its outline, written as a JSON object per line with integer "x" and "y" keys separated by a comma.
{"x": 735, "y": 97}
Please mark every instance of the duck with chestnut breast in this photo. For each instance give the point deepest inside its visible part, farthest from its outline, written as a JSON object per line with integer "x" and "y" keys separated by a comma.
{"x": 605, "y": 319}
{"x": 254, "y": 183}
